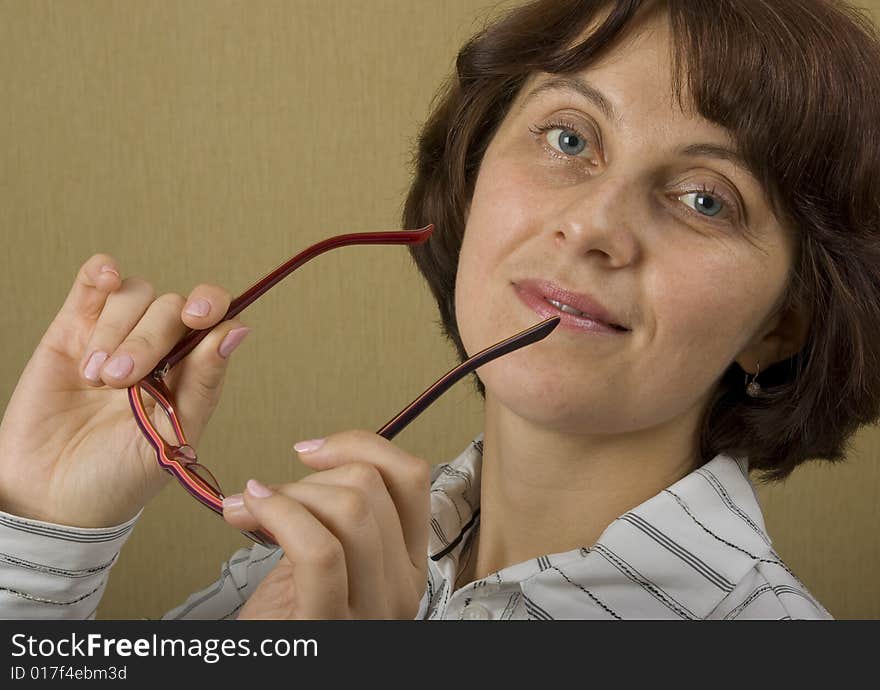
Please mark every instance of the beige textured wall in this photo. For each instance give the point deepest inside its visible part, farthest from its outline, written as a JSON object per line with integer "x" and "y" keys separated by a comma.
{"x": 208, "y": 141}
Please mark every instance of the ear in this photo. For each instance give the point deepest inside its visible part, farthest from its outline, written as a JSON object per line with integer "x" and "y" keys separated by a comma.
{"x": 783, "y": 336}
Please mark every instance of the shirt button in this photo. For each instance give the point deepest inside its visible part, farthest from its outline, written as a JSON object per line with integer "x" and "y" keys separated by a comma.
{"x": 475, "y": 612}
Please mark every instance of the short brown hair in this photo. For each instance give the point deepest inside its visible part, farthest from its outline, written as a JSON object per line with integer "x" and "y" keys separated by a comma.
{"x": 797, "y": 84}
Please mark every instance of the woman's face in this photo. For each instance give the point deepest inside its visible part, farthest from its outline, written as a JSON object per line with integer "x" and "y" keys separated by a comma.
{"x": 614, "y": 207}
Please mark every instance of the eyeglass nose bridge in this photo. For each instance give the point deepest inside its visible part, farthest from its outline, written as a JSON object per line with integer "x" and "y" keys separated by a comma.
{"x": 174, "y": 459}
{"x": 185, "y": 454}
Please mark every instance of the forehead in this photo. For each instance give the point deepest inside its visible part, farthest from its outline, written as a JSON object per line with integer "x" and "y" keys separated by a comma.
{"x": 637, "y": 65}
{"x": 631, "y": 85}
{"x": 624, "y": 100}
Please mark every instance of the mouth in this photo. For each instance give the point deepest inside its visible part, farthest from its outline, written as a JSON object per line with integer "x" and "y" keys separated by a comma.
{"x": 568, "y": 309}
{"x": 579, "y": 311}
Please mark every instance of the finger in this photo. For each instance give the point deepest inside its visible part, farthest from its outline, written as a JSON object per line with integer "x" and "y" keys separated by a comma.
{"x": 137, "y": 330}
{"x": 237, "y": 515}
{"x": 83, "y": 303}
{"x": 120, "y": 314}
{"x": 91, "y": 287}
{"x": 407, "y": 478}
{"x": 317, "y": 555}
{"x": 366, "y": 480}
{"x": 206, "y": 306}
{"x": 348, "y": 514}
{"x": 198, "y": 379}
{"x": 156, "y": 333}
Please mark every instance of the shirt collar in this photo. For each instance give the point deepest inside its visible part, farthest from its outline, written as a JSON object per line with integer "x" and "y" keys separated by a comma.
{"x": 688, "y": 545}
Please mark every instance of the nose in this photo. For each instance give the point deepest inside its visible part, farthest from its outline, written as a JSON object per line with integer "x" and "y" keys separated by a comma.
{"x": 600, "y": 219}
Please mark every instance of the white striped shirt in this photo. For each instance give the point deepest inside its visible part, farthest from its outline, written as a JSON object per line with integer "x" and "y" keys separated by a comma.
{"x": 697, "y": 550}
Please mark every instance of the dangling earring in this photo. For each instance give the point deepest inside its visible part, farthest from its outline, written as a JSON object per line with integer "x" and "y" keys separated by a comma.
{"x": 753, "y": 389}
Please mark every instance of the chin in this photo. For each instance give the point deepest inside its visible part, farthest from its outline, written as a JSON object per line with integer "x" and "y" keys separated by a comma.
{"x": 536, "y": 396}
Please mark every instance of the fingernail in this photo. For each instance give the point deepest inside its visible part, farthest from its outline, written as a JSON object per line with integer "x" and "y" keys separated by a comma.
{"x": 119, "y": 367}
{"x": 254, "y": 488}
{"x": 308, "y": 446}
{"x": 232, "y": 340}
{"x": 93, "y": 366}
{"x": 199, "y": 307}
{"x": 109, "y": 269}
{"x": 234, "y": 501}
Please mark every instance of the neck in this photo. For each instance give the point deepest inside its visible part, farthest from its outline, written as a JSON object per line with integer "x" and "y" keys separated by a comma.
{"x": 544, "y": 491}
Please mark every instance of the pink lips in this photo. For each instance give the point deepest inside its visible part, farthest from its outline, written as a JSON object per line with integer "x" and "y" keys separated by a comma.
{"x": 597, "y": 319}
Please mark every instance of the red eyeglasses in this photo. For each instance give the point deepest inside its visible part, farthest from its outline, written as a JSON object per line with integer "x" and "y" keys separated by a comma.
{"x": 181, "y": 460}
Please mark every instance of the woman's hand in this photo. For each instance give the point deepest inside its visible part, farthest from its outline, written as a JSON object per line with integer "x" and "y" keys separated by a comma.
{"x": 354, "y": 533}
{"x": 70, "y": 450}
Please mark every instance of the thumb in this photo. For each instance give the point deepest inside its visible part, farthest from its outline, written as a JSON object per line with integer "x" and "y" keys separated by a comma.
{"x": 197, "y": 380}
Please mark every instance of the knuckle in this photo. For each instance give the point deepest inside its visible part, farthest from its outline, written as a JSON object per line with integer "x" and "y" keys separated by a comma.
{"x": 419, "y": 474}
{"x": 171, "y": 301}
{"x": 348, "y": 439}
{"x": 140, "y": 285}
{"x": 362, "y": 474}
{"x": 354, "y": 509}
{"x": 138, "y": 342}
{"x": 207, "y": 389}
{"x": 327, "y": 554}
{"x": 360, "y": 435}
{"x": 109, "y": 327}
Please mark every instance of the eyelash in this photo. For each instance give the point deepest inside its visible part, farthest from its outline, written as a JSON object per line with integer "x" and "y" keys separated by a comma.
{"x": 730, "y": 204}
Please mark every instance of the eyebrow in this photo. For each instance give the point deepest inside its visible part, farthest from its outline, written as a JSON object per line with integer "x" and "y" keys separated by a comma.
{"x": 590, "y": 93}
{"x": 579, "y": 86}
{"x": 716, "y": 151}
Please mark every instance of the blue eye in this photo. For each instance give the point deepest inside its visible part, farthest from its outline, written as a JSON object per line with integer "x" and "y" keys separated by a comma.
{"x": 569, "y": 142}
{"x": 563, "y": 138}
{"x": 705, "y": 204}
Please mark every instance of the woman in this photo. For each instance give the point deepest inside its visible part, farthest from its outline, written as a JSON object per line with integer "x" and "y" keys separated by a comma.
{"x": 701, "y": 180}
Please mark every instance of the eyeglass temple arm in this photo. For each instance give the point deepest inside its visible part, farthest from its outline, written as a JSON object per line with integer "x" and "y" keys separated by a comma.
{"x": 444, "y": 383}
{"x": 249, "y": 296}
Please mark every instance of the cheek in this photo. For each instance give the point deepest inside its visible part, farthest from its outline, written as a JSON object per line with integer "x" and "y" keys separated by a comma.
{"x": 498, "y": 222}
{"x": 507, "y": 195}
{"x": 706, "y": 310}
{"x": 470, "y": 291}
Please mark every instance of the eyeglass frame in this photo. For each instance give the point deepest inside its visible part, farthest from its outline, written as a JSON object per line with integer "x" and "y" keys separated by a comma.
{"x": 176, "y": 459}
